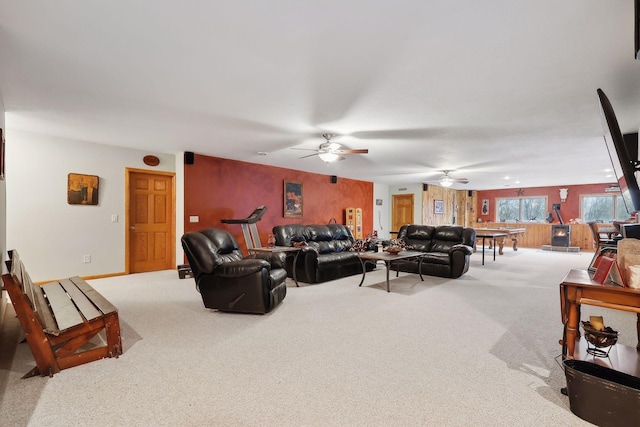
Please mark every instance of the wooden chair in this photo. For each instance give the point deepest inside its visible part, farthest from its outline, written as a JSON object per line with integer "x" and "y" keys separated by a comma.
{"x": 600, "y": 238}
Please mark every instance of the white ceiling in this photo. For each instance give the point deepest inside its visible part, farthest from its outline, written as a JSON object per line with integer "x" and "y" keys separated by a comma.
{"x": 485, "y": 88}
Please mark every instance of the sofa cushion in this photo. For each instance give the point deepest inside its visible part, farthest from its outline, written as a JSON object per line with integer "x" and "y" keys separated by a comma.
{"x": 319, "y": 233}
{"x": 441, "y": 258}
{"x": 339, "y": 232}
{"x": 445, "y": 237}
{"x": 419, "y": 232}
{"x": 325, "y": 247}
{"x": 331, "y": 260}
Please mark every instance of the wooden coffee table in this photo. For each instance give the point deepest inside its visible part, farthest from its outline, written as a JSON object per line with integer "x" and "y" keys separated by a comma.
{"x": 388, "y": 259}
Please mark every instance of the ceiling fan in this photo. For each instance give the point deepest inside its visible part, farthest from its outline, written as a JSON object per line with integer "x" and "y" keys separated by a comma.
{"x": 446, "y": 181}
{"x": 331, "y": 151}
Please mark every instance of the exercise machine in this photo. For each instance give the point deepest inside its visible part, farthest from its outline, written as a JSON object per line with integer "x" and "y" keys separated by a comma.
{"x": 249, "y": 228}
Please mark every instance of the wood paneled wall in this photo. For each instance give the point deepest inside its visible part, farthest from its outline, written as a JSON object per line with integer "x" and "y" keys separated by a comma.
{"x": 456, "y": 202}
{"x": 539, "y": 234}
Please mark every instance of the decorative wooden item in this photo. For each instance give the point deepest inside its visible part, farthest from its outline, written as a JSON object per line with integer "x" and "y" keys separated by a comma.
{"x": 82, "y": 189}
{"x": 151, "y": 160}
{"x": 353, "y": 220}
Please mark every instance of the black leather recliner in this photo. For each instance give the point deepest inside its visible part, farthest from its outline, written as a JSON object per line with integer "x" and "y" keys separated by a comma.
{"x": 226, "y": 280}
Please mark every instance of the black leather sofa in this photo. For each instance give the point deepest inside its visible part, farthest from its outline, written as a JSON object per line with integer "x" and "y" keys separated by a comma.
{"x": 326, "y": 253}
{"x": 228, "y": 281}
{"x": 447, "y": 249}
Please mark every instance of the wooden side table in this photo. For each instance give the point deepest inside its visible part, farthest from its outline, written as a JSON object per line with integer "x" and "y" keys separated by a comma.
{"x": 578, "y": 288}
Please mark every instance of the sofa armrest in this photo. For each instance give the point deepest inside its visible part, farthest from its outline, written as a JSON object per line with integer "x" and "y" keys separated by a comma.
{"x": 468, "y": 250}
{"x": 241, "y": 268}
{"x": 275, "y": 259}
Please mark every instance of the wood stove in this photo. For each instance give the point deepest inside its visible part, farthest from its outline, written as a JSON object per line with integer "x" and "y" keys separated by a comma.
{"x": 560, "y": 235}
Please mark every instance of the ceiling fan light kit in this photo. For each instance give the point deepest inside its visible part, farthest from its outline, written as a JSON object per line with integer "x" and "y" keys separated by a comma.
{"x": 331, "y": 151}
{"x": 446, "y": 181}
{"x": 328, "y": 157}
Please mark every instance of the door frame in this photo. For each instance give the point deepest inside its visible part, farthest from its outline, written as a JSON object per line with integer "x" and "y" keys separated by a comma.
{"x": 127, "y": 210}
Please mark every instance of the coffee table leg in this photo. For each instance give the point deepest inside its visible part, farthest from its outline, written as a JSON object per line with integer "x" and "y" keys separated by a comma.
{"x": 483, "y": 239}
{"x": 295, "y": 263}
{"x": 364, "y": 271}
{"x": 388, "y": 265}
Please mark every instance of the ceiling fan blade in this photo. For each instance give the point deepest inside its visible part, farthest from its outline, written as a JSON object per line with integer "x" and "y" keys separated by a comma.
{"x": 310, "y": 155}
{"x": 358, "y": 151}
{"x": 303, "y": 149}
{"x": 460, "y": 180}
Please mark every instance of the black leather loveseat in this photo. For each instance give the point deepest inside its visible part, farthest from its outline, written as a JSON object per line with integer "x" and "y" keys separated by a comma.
{"x": 326, "y": 254}
{"x": 447, "y": 248}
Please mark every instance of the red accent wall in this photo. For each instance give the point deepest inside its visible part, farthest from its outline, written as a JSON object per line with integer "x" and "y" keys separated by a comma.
{"x": 216, "y": 189}
{"x": 568, "y": 210}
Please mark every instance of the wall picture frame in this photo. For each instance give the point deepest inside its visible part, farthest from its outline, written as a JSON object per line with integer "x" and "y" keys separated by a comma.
{"x": 82, "y": 189}
{"x": 438, "y": 206}
{"x": 485, "y": 206}
{"x": 293, "y": 199}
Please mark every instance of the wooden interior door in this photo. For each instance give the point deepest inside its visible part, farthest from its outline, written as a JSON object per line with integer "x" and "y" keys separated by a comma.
{"x": 150, "y": 221}
{"x": 401, "y": 211}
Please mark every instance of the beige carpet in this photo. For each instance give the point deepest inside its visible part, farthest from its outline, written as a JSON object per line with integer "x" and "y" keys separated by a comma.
{"x": 477, "y": 351}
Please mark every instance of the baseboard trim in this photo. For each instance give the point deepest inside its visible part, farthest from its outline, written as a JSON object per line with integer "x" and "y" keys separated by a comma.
{"x": 97, "y": 276}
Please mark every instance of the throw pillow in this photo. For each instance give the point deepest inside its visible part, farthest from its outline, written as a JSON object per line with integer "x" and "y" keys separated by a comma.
{"x": 360, "y": 245}
{"x": 401, "y": 243}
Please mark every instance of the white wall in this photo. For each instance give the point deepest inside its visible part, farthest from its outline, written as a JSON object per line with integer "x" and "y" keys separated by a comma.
{"x": 382, "y": 213}
{"x": 3, "y": 228}
{"x": 51, "y": 235}
{"x": 3, "y": 204}
{"x": 416, "y": 190}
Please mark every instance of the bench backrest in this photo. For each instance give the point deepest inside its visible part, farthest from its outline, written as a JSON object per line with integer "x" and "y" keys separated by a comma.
{"x": 62, "y": 304}
{"x": 33, "y": 292}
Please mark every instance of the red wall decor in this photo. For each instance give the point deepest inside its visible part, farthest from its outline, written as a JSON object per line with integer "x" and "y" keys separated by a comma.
{"x": 570, "y": 209}
{"x": 216, "y": 189}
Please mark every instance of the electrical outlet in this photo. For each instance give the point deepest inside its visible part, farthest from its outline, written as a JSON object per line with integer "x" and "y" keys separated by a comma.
{"x": 87, "y": 259}
{"x": 194, "y": 218}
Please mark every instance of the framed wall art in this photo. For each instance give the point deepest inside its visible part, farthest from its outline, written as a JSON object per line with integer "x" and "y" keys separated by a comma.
{"x": 485, "y": 206}
{"x": 438, "y": 206}
{"x": 82, "y": 189}
{"x": 293, "y": 199}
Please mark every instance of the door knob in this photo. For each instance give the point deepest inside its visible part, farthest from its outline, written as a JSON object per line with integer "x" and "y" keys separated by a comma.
{"x": 132, "y": 228}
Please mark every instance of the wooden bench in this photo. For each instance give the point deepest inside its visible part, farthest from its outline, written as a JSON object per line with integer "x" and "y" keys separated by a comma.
{"x": 60, "y": 318}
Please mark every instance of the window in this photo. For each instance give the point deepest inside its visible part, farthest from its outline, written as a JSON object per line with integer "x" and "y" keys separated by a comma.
{"x": 605, "y": 207}
{"x": 521, "y": 209}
